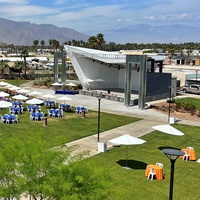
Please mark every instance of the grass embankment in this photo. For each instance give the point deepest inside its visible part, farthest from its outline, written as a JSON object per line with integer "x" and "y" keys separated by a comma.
{"x": 132, "y": 183}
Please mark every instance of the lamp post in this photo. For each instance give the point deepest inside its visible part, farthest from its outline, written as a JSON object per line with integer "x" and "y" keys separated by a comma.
{"x": 196, "y": 75}
{"x": 99, "y": 97}
{"x": 169, "y": 101}
{"x": 172, "y": 154}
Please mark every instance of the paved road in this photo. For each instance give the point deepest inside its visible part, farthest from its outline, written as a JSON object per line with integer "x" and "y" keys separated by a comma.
{"x": 149, "y": 118}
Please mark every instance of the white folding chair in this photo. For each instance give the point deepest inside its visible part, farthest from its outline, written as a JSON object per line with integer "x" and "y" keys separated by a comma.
{"x": 152, "y": 173}
{"x": 186, "y": 156}
{"x": 16, "y": 119}
{"x": 7, "y": 120}
{"x": 31, "y": 116}
{"x": 159, "y": 164}
{"x": 3, "y": 119}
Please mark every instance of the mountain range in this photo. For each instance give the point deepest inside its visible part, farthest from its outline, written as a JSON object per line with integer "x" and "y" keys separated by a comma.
{"x": 24, "y": 33}
{"x": 143, "y": 33}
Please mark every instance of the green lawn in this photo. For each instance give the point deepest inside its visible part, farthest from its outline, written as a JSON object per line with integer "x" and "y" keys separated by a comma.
{"x": 132, "y": 183}
{"x": 61, "y": 130}
{"x": 190, "y": 100}
{"x": 16, "y": 82}
{"x": 127, "y": 184}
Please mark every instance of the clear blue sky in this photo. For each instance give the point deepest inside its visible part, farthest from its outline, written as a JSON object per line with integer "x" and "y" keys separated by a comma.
{"x": 95, "y": 16}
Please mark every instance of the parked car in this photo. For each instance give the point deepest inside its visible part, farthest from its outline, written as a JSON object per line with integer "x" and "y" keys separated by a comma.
{"x": 193, "y": 88}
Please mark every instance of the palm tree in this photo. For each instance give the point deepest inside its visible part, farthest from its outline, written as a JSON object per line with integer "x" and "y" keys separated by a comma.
{"x": 35, "y": 43}
{"x": 100, "y": 41}
{"x": 171, "y": 51}
{"x": 42, "y": 42}
{"x": 24, "y": 54}
{"x": 92, "y": 42}
{"x": 18, "y": 65}
{"x": 3, "y": 65}
{"x": 56, "y": 44}
{"x": 50, "y": 42}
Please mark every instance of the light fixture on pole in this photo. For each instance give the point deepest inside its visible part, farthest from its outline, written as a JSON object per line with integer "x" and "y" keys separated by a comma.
{"x": 169, "y": 101}
{"x": 99, "y": 97}
{"x": 172, "y": 154}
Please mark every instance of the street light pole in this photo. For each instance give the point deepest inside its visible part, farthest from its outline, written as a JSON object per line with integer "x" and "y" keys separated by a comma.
{"x": 171, "y": 186}
{"x": 99, "y": 103}
{"x": 196, "y": 75}
{"x": 172, "y": 154}
{"x": 169, "y": 101}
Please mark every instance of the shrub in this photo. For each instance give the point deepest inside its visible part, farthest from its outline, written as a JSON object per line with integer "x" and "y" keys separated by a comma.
{"x": 178, "y": 106}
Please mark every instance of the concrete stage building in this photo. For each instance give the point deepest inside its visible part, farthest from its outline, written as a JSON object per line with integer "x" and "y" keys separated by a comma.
{"x": 103, "y": 70}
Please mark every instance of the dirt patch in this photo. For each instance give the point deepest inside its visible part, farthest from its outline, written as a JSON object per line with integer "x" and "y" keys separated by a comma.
{"x": 178, "y": 114}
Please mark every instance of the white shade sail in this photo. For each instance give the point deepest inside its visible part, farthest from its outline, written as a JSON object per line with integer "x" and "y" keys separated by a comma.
{"x": 23, "y": 91}
{"x": 4, "y": 94}
{"x": 20, "y": 97}
{"x": 34, "y": 101}
{"x": 5, "y": 104}
{"x": 49, "y": 96}
{"x": 168, "y": 130}
{"x": 71, "y": 84}
{"x": 127, "y": 140}
{"x": 2, "y": 83}
{"x": 64, "y": 98}
{"x": 35, "y": 93}
{"x": 57, "y": 84}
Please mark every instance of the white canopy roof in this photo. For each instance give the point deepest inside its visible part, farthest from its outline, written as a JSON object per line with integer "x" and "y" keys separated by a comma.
{"x": 103, "y": 56}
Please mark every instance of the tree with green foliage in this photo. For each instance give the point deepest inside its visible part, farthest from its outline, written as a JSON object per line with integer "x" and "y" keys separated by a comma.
{"x": 18, "y": 65}
{"x": 42, "y": 43}
{"x": 100, "y": 41}
{"x": 55, "y": 44}
{"x": 24, "y": 54}
{"x": 35, "y": 43}
{"x": 171, "y": 51}
{"x": 96, "y": 42}
{"x": 92, "y": 42}
{"x": 3, "y": 65}
{"x": 50, "y": 42}
{"x": 30, "y": 169}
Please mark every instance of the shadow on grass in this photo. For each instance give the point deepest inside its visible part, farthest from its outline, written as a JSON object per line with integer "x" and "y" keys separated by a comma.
{"x": 133, "y": 164}
{"x": 167, "y": 147}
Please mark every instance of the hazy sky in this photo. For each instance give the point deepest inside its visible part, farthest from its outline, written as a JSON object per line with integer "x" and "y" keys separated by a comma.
{"x": 94, "y": 16}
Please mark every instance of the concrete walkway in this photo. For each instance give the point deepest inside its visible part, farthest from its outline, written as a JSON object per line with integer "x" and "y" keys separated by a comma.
{"x": 149, "y": 118}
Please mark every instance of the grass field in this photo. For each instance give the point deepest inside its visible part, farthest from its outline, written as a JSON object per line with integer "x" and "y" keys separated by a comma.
{"x": 16, "y": 82}
{"x": 132, "y": 183}
{"x": 127, "y": 184}
{"x": 62, "y": 130}
{"x": 190, "y": 100}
